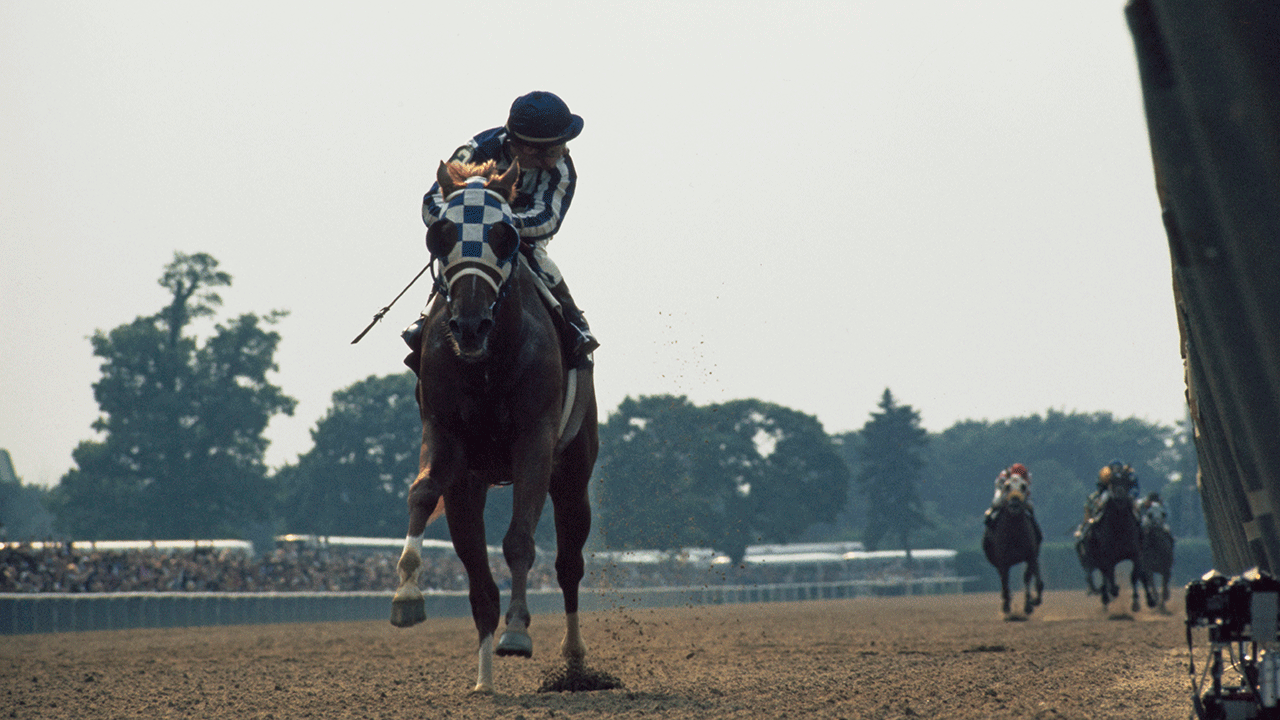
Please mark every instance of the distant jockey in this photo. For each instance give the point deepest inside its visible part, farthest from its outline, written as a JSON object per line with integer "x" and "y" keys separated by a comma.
{"x": 1015, "y": 478}
{"x": 1153, "y": 512}
{"x": 1115, "y": 476}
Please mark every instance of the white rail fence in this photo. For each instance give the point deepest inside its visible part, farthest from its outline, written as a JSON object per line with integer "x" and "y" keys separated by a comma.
{"x": 23, "y": 613}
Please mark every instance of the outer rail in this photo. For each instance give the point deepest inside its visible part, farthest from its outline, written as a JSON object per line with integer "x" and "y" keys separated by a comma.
{"x": 25, "y": 613}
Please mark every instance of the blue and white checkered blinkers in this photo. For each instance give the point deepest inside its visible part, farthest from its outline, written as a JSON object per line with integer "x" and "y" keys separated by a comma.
{"x": 476, "y": 211}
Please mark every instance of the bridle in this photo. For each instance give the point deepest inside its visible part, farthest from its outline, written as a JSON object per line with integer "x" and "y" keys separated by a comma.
{"x": 442, "y": 280}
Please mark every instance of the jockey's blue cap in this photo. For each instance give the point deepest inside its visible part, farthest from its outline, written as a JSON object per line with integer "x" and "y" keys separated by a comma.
{"x": 542, "y": 118}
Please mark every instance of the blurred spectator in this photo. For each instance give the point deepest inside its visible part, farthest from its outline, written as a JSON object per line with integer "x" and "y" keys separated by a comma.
{"x": 298, "y": 567}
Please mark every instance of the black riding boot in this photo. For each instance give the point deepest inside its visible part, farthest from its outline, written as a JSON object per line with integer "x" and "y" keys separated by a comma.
{"x": 580, "y": 343}
{"x": 412, "y": 337}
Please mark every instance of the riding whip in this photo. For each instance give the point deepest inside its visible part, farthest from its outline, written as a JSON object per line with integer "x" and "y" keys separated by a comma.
{"x": 378, "y": 315}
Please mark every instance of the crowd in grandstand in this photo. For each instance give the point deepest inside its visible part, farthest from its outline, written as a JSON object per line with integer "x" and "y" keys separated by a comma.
{"x": 61, "y": 568}
{"x": 298, "y": 567}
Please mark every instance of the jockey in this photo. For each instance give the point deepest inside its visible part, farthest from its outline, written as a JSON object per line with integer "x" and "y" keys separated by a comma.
{"x": 538, "y": 127}
{"x": 1152, "y": 511}
{"x": 1113, "y": 474}
{"x": 1019, "y": 474}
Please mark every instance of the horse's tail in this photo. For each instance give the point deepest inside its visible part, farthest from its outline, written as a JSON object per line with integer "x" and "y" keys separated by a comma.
{"x": 437, "y": 512}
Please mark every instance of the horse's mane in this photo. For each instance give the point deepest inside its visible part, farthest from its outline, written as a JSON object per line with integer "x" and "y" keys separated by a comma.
{"x": 460, "y": 172}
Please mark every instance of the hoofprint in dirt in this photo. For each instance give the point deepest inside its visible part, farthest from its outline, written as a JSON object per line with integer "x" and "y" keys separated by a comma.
{"x": 946, "y": 656}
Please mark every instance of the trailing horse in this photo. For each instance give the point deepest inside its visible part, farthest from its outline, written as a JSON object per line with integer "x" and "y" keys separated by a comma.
{"x": 1112, "y": 537}
{"x": 499, "y": 405}
{"x": 1012, "y": 537}
{"x": 1157, "y": 553}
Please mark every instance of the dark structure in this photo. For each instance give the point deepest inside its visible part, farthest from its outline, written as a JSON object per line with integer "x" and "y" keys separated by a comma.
{"x": 1211, "y": 88}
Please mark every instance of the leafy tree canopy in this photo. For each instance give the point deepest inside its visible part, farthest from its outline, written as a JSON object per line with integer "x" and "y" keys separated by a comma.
{"x": 356, "y": 477}
{"x": 182, "y": 421}
{"x": 23, "y": 515}
{"x": 891, "y": 462}
{"x": 672, "y": 474}
{"x": 1064, "y": 452}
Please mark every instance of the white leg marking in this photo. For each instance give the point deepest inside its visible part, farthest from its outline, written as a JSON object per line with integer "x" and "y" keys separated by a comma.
{"x": 484, "y": 678}
{"x": 572, "y": 648}
{"x": 409, "y": 569}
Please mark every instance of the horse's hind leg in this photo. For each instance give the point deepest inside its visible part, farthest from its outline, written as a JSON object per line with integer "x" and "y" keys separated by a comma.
{"x": 573, "y": 525}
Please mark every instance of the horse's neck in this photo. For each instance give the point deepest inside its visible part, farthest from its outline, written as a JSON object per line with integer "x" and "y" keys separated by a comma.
{"x": 524, "y": 327}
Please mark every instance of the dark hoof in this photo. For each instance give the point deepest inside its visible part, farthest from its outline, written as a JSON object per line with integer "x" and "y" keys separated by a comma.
{"x": 513, "y": 643}
{"x": 407, "y": 613}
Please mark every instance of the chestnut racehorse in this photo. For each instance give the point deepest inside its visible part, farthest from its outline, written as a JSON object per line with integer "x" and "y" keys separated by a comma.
{"x": 499, "y": 405}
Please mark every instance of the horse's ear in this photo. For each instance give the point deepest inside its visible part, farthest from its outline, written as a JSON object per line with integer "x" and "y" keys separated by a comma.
{"x": 446, "y": 183}
{"x": 504, "y": 240}
{"x": 442, "y": 235}
{"x": 505, "y": 184}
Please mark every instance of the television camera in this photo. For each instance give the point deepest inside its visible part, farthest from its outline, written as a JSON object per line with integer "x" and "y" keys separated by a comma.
{"x": 1241, "y": 615}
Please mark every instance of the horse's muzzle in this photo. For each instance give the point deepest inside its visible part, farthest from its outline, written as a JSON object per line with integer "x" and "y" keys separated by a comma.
{"x": 471, "y": 335}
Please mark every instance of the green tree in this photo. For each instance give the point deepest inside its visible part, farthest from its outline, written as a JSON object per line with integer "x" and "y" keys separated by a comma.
{"x": 23, "y": 515}
{"x": 356, "y": 477}
{"x": 671, "y": 475}
{"x": 1064, "y": 452}
{"x": 891, "y": 452}
{"x": 781, "y": 473}
{"x": 182, "y": 421}
{"x": 654, "y": 452}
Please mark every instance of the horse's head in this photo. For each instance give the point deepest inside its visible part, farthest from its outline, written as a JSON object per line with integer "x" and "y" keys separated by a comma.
{"x": 476, "y": 244}
{"x": 1155, "y": 515}
{"x": 1014, "y": 489}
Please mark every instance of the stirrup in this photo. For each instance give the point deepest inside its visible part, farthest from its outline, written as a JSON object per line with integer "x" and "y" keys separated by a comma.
{"x": 580, "y": 349}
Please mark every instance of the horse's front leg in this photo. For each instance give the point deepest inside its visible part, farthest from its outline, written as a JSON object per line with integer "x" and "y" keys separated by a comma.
{"x": 1005, "y": 602}
{"x": 425, "y": 502}
{"x": 465, "y": 514}
{"x": 1109, "y": 587}
{"x": 1136, "y": 579}
{"x": 531, "y": 473}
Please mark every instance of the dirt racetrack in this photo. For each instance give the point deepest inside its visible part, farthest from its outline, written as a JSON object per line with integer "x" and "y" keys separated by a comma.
{"x": 949, "y": 656}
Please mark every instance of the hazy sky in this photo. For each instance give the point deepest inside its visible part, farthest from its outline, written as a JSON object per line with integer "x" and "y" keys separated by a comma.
{"x": 802, "y": 202}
